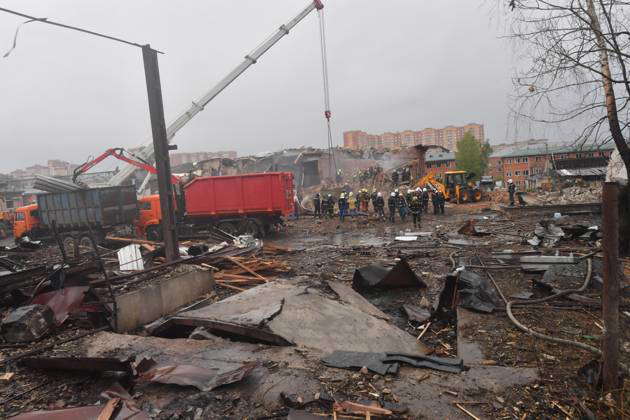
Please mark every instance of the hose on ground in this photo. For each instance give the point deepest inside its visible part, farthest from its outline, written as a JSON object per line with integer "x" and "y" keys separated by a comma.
{"x": 562, "y": 293}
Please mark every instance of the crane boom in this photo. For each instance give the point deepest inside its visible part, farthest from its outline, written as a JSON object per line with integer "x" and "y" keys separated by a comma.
{"x": 146, "y": 152}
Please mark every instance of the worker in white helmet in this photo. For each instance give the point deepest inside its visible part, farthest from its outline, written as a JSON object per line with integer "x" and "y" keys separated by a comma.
{"x": 379, "y": 206}
{"x": 391, "y": 205}
{"x": 511, "y": 191}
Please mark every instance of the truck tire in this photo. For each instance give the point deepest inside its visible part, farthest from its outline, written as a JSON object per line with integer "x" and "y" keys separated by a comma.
{"x": 477, "y": 195}
{"x": 154, "y": 233}
{"x": 70, "y": 246}
{"x": 85, "y": 244}
{"x": 228, "y": 227}
{"x": 465, "y": 196}
{"x": 250, "y": 227}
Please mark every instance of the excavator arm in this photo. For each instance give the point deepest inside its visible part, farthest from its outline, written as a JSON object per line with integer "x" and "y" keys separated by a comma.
{"x": 429, "y": 181}
{"x": 118, "y": 153}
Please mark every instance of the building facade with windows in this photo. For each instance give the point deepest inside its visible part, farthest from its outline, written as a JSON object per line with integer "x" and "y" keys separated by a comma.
{"x": 446, "y": 137}
{"x": 528, "y": 165}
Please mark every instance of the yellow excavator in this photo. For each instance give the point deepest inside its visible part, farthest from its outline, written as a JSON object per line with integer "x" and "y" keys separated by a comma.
{"x": 455, "y": 186}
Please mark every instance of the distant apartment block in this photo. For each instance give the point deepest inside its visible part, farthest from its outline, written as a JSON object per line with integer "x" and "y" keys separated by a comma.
{"x": 446, "y": 137}
{"x": 182, "y": 158}
{"x": 53, "y": 167}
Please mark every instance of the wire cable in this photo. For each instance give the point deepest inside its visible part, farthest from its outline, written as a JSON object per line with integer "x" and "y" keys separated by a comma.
{"x": 74, "y": 28}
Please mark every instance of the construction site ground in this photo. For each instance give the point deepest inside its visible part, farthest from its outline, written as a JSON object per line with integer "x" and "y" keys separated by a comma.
{"x": 511, "y": 375}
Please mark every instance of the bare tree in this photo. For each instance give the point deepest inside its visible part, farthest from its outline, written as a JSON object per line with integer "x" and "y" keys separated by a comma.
{"x": 576, "y": 53}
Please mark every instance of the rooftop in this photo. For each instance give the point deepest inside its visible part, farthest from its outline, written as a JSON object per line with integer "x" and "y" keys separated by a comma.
{"x": 553, "y": 148}
{"x": 438, "y": 155}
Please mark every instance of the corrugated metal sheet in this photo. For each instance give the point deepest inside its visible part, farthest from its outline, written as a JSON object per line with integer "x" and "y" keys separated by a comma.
{"x": 97, "y": 207}
{"x": 600, "y": 171}
{"x": 130, "y": 258}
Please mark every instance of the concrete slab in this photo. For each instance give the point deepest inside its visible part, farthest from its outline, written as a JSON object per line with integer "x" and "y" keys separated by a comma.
{"x": 312, "y": 316}
{"x": 151, "y": 302}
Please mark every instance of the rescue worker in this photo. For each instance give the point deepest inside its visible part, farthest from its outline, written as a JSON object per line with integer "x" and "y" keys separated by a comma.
{"x": 391, "y": 205}
{"x": 434, "y": 201}
{"x": 395, "y": 177}
{"x": 441, "y": 201}
{"x": 373, "y": 198}
{"x": 317, "y": 203}
{"x": 511, "y": 191}
{"x": 352, "y": 203}
{"x": 330, "y": 206}
{"x": 409, "y": 195}
{"x": 364, "y": 200}
{"x": 424, "y": 200}
{"x": 342, "y": 203}
{"x": 379, "y": 206}
{"x": 416, "y": 211}
{"x": 401, "y": 204}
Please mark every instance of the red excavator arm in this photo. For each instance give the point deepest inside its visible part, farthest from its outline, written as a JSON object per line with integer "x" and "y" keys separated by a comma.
{"x": 118, "y": 153}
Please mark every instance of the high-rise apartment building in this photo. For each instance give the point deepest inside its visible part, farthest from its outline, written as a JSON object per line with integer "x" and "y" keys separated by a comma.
{"x": 446, "y": 137}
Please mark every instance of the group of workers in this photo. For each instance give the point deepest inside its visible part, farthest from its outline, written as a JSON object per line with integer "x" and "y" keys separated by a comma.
{"x": 413, "y": 202}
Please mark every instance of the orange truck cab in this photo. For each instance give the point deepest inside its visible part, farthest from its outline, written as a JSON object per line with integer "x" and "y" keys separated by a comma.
{"x": 150, "y": 216}
{"x": 26, "y": 220}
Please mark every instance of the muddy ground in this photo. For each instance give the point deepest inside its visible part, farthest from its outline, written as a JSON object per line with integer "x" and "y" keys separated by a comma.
{"x": 513, "y": 375}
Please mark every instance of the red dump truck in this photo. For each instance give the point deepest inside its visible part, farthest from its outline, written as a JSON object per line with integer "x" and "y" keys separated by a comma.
{"x": 242, "y": 204}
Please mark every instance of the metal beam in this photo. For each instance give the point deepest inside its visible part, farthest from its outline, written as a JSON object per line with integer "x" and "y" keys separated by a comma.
{"x": 610, "y": 293}
{"x": 160, "y": 145}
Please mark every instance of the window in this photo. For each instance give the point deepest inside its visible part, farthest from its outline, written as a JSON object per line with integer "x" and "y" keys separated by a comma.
{"x": 524, "y": 160}
{"x": 525, "y": 172}
{"x": 509, "y": 174}
{"x": 19, "y": 216}
{"x": 517, "y": 173}
{"x": 144, "y": 205}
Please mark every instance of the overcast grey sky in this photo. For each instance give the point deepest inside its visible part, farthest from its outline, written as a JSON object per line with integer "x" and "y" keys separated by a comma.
{"x": 394, "y": 65}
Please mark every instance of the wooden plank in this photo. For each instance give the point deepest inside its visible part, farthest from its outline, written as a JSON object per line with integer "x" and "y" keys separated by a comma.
{"x": 235, "y": 261}
{"x": 133, "y": 240}
{"x": 229, "y": 286}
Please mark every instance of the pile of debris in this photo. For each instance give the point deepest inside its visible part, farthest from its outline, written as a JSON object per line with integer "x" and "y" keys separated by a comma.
{"x": 570, "y": 195}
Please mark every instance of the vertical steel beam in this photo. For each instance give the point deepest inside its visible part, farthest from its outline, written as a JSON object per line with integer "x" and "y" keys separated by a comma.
{"x": 160, "y": 145}
{"x": 610, "y": 296}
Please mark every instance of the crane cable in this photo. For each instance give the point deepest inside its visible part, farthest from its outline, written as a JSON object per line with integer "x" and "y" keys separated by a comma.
{"x": 327, "y": 113}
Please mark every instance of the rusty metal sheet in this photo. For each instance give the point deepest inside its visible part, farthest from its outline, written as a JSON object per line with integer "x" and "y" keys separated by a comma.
{"x": 189, "y": 375}
{"x": 62, "y": 301}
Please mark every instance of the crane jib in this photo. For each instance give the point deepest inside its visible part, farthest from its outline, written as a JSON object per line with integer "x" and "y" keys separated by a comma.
{"x": 146, "y": 152}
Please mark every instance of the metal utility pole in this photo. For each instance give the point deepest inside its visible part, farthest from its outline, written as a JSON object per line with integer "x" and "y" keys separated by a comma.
{"x": 161, "y": 147}
{"x": 610, "y": 295}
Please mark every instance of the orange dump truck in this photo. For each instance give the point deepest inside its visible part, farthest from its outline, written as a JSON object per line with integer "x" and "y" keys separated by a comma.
{"x": 241, "y": 204}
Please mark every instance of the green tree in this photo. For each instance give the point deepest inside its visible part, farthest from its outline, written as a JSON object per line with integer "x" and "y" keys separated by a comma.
{"x": 472, "y": 156}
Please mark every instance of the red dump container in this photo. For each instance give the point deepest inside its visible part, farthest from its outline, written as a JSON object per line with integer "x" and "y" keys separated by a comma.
{"x": 251, "y": 194}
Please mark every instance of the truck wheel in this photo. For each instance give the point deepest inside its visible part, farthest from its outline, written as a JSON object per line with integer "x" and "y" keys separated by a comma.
{"x": 85, "y": 244}
{"x": 69, "y": 245}
{"x": 228, "y": 227}
{"x": 477, "y": 195}
{"x": 250, "y": 227}
{"x": 465, "y": 196}
{"x": 154, "y": 233}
